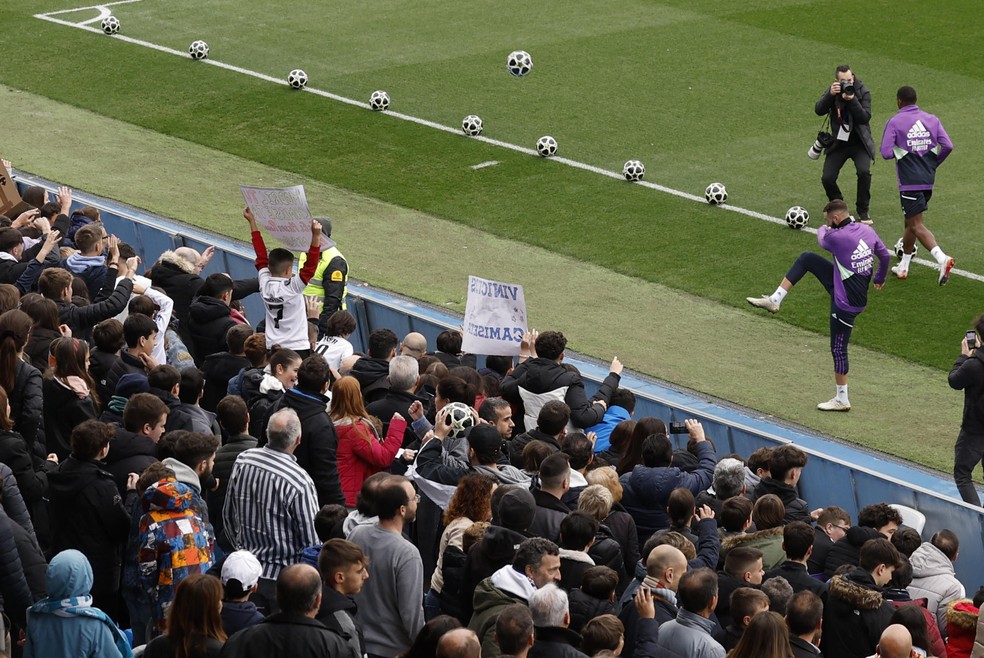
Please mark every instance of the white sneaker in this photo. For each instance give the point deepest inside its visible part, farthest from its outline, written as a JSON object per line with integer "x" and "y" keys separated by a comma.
{"x": 899, "y": 272}
{"x": 834, "y": 405}
{"x": 763, "y": 302}
{"x": 945, "y": 271}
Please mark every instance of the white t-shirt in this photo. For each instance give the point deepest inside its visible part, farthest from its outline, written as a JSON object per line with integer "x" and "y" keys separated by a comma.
{"x": 286, "y": 317}
{"x": 335, "y": 349}
{"x": 161, "y": 318}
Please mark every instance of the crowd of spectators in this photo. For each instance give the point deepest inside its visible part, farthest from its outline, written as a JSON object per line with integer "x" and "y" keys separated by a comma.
{"x": 176, "y": 484}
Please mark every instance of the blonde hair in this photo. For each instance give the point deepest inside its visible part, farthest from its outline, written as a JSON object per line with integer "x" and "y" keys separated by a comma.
{"x": 608, "y": 478}
{"x": 597, "y": 501}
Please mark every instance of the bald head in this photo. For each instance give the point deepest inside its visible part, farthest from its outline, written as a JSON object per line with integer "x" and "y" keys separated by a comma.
{"x": 459, "y": 643}
{"x": 895, "y": 642}
{"x": 299, "y": 590}
{"x": 345, "y": 367}
{"x": 414, "y": 345}
{"x": 666, "y": 564}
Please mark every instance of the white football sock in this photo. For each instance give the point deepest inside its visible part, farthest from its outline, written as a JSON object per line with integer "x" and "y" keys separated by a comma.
{"x": 841, "y": 394}
{"x": 939, "y": 255}
{"x": 905, "y": 261}
{"x": 778, "y": 295}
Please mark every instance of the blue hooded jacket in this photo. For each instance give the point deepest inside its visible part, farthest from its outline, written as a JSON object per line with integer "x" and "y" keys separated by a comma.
{"x": 57, "y": 629}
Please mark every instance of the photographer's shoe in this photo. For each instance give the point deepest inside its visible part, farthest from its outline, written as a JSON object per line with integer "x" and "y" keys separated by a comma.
{"x": 834, "y": 404}
{"x": 945, "y": 271}
{"x": 864, "y": 218}
{"x": 763, "y": 302}
{"x": 899, "y": 272}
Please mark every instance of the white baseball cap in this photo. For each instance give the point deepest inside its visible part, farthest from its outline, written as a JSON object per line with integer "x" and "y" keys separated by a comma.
{"x": 242, "y": 566}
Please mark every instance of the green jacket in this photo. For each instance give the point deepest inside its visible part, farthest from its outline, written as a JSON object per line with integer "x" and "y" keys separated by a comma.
{"x": 768, "y": 541}
{"x": 490, "y": 600}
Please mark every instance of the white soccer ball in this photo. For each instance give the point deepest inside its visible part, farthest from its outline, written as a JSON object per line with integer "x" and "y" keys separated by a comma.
{"x": 198, "y": 49}
{"x": 519, "y": 63}
{"x": 379, "y": 100}
{"x": 546, "y": 146}
{"x": 899, "y": 252}
{"x": 716, "y": 194}
{"x": 633, "y": 170}
{"x": 111, "y": 25}
{"x": 471, "y": 125}
{"x": 297, "y": 79}
{"x": 797, "y": 217}
{"x": 459, "y": 415}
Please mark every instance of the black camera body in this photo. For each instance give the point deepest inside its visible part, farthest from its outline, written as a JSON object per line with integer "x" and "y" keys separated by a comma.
{"x": 847, "y": 87}
{"x": 824, "y": 140}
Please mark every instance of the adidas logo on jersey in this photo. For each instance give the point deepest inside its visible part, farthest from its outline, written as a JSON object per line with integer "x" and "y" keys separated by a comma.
{"x": 917, "y": 130}
{"x": 861, "y": 251}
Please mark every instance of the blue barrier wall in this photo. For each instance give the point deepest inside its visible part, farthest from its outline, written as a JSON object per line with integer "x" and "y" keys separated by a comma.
{"x": 837, "y": 474}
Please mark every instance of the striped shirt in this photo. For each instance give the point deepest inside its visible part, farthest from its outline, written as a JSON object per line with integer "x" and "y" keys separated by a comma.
{"x": 270, "y": 507}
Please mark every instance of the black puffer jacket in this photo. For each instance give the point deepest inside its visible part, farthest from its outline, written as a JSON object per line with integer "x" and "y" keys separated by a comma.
{"x": 623, "y": 529}
{"x": 32, "y": 559}
{"x": 225, "y": 458}
{"x": 797, "y": 509}
{"x": 372, "y": 375}
{"x": 14, "y": 589}
{"x": 539, "y": 376}
{"x": 219, "y": 369}
{"x": 100, "y": 363}
{"x": 606, "y": 552}
{"x": 25, "y": 400}
{"x": 519, "y": 442}
{"x": 208, "y": 323}
{"x": 854, "y": 617}
{"x": 29, "y": 471}
{"x": 847, "y": 550}
{"x": 81, "y": 319}
{"x": 584, "y": 608}
{"x": 63, "y": 411}
{"x": 39, "y": 346}
{"x": 129, "y": 453}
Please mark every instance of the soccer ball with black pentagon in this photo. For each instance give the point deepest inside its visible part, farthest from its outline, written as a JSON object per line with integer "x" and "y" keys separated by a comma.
{"x": 546, "y": 146}
{"x": 633, "y": 170}
{"x": 899, "y": 252}
{"x": 519, "y": 63}
{"x": 716, "y": 194}
{"x": 797, "y": 217}
{"x": 198, "y": 49}
{"x": 297, "y": 79}
{"x": 471, "y": 125}
{"x": 379, "y": 100}
{"x": 111, "y": 25}
{"x": 459, "y": 416}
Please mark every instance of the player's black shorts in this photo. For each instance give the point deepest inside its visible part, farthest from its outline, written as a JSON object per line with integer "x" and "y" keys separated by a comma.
{"x": 915, "y": 202}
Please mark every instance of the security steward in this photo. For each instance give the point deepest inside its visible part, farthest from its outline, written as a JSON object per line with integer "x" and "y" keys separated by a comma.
{"x": 330, "y": 280}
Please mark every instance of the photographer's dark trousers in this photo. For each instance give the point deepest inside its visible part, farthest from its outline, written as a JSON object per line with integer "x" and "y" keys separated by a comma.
{"x": 967, "y": 454}
{"x": 834, "y": 162}
{"x": 841, "y": 321}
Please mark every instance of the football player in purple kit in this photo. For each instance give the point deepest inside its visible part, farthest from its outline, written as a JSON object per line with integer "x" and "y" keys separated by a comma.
{"x": 854, "y": 247}
{"x": 919, "y": 144}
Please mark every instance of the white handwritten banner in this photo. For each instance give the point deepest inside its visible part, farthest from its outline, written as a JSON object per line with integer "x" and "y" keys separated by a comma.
{"x": 284, "y": 213}
{"x": 495, "y": 318}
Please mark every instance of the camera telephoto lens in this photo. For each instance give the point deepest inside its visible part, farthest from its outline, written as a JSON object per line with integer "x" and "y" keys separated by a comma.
{"x": 815, "y": 150}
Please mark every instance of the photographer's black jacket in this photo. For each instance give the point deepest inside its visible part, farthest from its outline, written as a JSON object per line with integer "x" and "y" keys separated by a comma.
{"x": 859, "y": 111}
{"x": 967, "y": 375}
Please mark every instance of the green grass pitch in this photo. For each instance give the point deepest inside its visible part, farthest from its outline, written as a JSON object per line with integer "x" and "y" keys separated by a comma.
{"x": 699, "y": 91}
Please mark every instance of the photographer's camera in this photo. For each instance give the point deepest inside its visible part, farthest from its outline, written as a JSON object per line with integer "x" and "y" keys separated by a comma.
{"x": 824, "y": 139}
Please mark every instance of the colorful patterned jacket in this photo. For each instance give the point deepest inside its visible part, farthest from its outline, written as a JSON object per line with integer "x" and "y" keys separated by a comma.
{"x": 173, "y": 543}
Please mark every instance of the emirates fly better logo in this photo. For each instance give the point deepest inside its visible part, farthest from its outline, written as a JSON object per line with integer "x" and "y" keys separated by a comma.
{"x": 918, "y": 139}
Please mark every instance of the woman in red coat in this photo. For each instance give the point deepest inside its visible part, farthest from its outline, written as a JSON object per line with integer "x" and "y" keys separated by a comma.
{"x": 361, "y": 452}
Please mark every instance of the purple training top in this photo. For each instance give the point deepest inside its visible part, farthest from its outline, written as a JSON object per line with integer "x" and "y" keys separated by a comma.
{"x": 919, "y": 144}
{"x": 854, "y": 247}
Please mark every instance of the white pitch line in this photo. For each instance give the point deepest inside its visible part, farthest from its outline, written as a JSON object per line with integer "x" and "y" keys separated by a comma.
{"x": 69, "y": 11}
{"x": 104, "y": 12}
{"x": 483, "y": 165}
{"x": 452, "y": 130}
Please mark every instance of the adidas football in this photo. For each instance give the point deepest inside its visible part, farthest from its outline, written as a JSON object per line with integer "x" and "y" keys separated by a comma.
{"x": 546, "y": 146}
{"x": 297, "y": 79}
{"x": 519, "y": 63}
{"x": 716, "y": 194}
{"x": 633, "y": 170}
{"x": 198, "y": 49}
{"x": 471, "y": 125}
{"x": 899, "y": 252}
{"x": 459, "y": 415}
{"x": 797, "y": 217}
{"x": 111, "y": 25}
{"x": 379, "y": 100}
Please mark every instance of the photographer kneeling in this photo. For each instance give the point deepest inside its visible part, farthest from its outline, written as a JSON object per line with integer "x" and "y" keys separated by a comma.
{"x": 967, "y": 375}
{"x": 848, "y": 103}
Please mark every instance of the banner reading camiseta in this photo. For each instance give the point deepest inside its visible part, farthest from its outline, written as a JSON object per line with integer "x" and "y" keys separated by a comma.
{"x": 495, "y": 318}
{"x": 284, "y": 213}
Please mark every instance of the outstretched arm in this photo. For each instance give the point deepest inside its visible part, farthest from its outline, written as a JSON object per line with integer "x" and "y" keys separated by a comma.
{"x": 259, "y": 247}
{"x": 313, "y": 254}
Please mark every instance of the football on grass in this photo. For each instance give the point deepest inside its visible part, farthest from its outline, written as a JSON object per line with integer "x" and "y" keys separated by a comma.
{"x": 546, "y": 146}
{"x": 899, "y": 252}
{"x": 471, "y": 125}
{"x": 379, "y": 100}
{"x": 716, "y": 194}
{"x": 111, "y": 25}
{"x": 519, "y": 63}
{"x": 633, "y": 170}
{"x": 797, "y": 217}
{"x": 297, "y": 79}
{"x": 198, "y": 49}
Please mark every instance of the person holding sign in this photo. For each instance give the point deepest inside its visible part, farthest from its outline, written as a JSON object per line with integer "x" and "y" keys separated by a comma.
{"x": 282, "y": 291}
